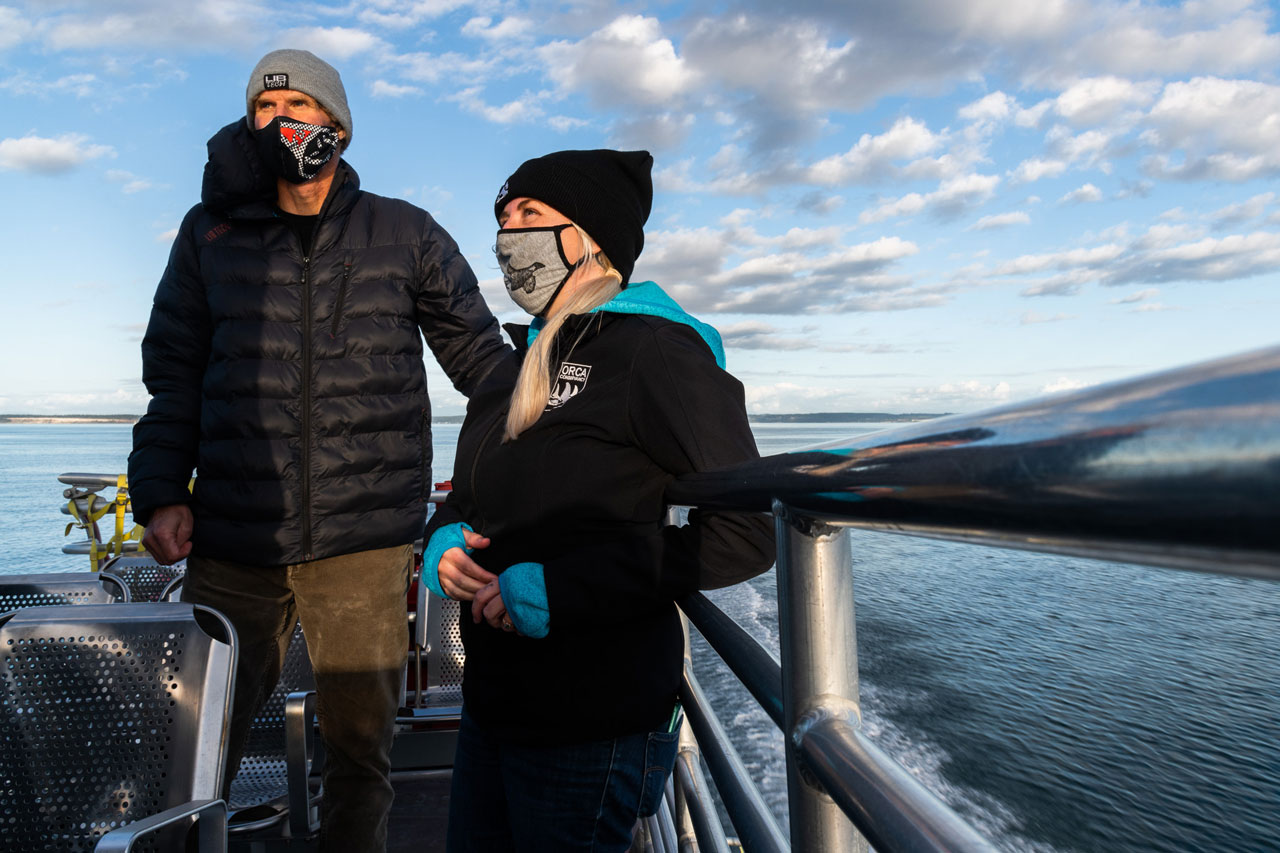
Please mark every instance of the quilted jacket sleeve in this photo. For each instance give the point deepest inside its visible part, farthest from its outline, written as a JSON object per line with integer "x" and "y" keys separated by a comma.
{"x": 175, "y": 350}
{"x": 457, "y": 324}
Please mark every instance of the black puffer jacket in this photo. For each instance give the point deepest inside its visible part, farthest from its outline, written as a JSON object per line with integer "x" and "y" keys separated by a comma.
{"x": 294, "y": 385}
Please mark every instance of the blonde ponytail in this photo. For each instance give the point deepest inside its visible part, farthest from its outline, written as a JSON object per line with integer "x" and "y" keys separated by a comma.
{"x": 533, "y": 386}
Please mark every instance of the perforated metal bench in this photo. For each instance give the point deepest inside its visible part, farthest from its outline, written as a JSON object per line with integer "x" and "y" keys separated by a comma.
{"x": 113, "y": 726}
{"x": 272, "y": 781}
{"x": 49, "y": 588}
{"x": 146, "y": 579}
{"x": 438, "y": 657}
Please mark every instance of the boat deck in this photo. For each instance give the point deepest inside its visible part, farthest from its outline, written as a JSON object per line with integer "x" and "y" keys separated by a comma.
{"x": 418, "y": 820}
{"x": 420, "y": 813}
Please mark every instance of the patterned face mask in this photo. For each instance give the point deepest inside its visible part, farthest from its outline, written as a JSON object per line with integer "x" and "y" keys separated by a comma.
{"x": 295, "y": 150}
{"x": 533, "y": 265}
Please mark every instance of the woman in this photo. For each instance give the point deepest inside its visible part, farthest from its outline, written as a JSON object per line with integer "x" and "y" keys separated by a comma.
{"x": 554, "y": 530}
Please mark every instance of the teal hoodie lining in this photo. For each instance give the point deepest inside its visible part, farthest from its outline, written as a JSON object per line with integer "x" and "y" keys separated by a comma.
{"x": 648, "y": 298}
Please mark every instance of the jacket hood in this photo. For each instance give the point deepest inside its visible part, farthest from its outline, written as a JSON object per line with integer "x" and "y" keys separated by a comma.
{"x": 236, "y": 181}
{"x": 646, "y": 297}
{"x": 643, "y": 297}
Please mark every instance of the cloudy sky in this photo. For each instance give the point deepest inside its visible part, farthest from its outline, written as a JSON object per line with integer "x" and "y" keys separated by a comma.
{"x": 888, "y": 205}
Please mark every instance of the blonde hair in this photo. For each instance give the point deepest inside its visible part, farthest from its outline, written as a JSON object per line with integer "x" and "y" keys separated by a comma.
{"x": 533, "y": 385}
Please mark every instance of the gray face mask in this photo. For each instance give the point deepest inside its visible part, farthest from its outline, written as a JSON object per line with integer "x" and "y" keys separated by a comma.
{"x": 533, "y": 265}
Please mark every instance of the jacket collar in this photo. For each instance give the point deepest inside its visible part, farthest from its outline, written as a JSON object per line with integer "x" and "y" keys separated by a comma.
{"x": 237, "y": 184}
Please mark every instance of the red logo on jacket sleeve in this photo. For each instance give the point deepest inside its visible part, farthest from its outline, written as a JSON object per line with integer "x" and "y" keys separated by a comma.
{"x": 216, "y": 231}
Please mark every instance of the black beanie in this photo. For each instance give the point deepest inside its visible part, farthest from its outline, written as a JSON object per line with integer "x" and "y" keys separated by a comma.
{"x": 608, "y": 193}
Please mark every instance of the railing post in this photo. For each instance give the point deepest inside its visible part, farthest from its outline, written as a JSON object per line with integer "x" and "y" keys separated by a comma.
{"x": 819, "y": 665}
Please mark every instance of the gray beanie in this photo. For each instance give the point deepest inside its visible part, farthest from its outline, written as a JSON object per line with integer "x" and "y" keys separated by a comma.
{"x": 301, "y": 71}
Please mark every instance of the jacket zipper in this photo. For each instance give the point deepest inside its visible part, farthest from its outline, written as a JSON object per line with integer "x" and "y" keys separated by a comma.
{"x": 306, "y": 408}
{"x": 342, "y": 295}
{"x": 307, "y": 329}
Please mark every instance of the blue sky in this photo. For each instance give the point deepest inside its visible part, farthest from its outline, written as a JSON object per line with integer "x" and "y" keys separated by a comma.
{"x": 888, "y": 205}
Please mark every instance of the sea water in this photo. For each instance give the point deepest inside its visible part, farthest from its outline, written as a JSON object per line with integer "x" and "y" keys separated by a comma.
{"x": 1059, "y": 704}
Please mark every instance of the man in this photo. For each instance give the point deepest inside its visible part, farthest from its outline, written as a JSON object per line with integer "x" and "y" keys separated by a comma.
{"x": 284, "y": 360}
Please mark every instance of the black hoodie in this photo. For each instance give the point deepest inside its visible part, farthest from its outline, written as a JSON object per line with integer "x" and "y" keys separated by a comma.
{"x": 292, "y": 384}
{"x": 639, "y": 400}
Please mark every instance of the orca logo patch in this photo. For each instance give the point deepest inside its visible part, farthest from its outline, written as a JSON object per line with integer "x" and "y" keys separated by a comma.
{"x": 569, "y": 384}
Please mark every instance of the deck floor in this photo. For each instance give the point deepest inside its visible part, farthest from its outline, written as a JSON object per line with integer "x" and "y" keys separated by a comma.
{"x": 419, "y": 814}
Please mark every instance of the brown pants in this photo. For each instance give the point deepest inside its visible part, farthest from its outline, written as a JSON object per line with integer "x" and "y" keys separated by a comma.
{"x": 353, "y": 615}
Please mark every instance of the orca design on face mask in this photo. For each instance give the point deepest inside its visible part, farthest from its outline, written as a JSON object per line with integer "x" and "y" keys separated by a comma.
{"x": 534, "y": 266}
{"x": 295, "y": 150}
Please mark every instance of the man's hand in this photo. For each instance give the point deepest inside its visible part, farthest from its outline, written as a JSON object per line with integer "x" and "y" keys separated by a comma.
{"x": 168, "y": 536}
{"x": 460, "y": 576}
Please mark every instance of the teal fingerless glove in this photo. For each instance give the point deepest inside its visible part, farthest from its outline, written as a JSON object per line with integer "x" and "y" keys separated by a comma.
{"x": 524, "y": 592}
{"x": 449, "y": 536}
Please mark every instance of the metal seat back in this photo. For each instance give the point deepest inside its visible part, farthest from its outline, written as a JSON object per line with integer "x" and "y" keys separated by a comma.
{"x": 146, "y": 579}
{"x": 110, "y": 714}
{"x": 439, "y": 651}
{"x": 50, "y": 588}
{"x": 263, "y": 773}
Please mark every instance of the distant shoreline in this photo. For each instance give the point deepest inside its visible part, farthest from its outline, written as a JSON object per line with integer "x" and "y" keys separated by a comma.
{"x": 807, "y": 418}
{"x": 69, "y": 419}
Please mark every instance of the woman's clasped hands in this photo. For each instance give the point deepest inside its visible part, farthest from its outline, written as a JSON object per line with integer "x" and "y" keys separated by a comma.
{"x": 463, "y": 578}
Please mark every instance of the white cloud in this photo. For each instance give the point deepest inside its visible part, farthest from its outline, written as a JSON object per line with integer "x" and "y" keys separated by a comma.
{"x": 873, "y": 157}
{"x": 1030, "y": 318}
{"x": 1064, "y": 383}
{"x": 952, "y": 198}
{"x": 130, "y": 182}
{"x": 383, "y": 89}
{"x": 960, "y": 396}
{"x": 80, "y": 85}
{"x": 1217, "y": 129}
{"x": 653, "y": 132}
{"x": 1163, "y": 236}
{"x": 1000, "y": 220}
{"x": 436, "y": 68}
{"x": 1141, "y": 39}
{"x": 1083, "y": 194}
{"x": 991, "y": 109}
{"x": 1234, "y": 214}
{"x": 47, "y": 156}
{"x": 167, "y": 237}
{"x": 1138, "y": 296}
{"x": 119, "y": 401}
{"x": 1099, "y": 99}
{"x": 1091, "y": 258}
{"x": 332, "y": 43}
{"x": 1208, "y": 259}
{"x": 820, "y": 203}
{"x": 801, "y": 271}
{"x": 1164, "y": 253}
{"x": 508, "y": 30}
{"x": 627, "y": 62}
{"x": 14, "y": 29}
{"x": 400, "y": 15}
{"x": 521, "y": 110}
{"x": 153, "y": 23}
{"x": 1035, "y": 168}
{"x": 1087, "y": 147}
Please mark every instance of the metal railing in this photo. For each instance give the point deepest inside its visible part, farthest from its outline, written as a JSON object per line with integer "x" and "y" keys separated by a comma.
{"x": 1179, "y": 469}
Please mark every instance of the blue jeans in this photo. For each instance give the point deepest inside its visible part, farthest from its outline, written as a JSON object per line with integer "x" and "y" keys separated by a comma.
{"x": 571, "y": 797}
